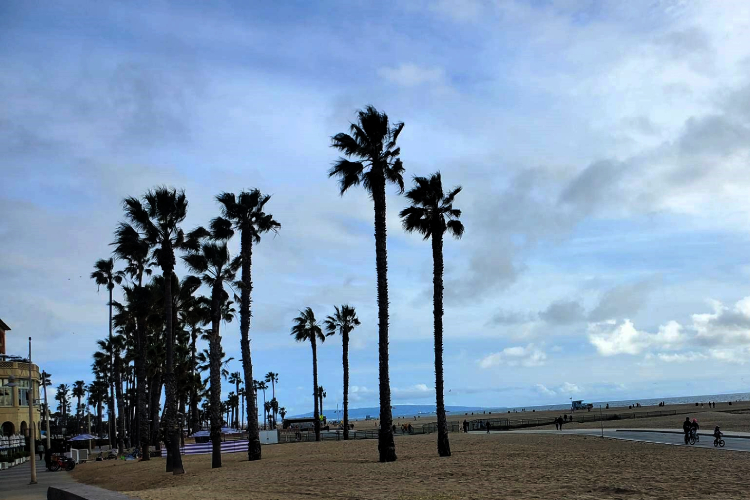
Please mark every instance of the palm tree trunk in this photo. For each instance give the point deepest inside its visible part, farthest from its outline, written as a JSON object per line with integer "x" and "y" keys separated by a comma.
{"x": 154, "y": 407}
{"x": 141, "y": 380}
{"x": 215, "y": 374}
{"x": 316, "y": 414}
{"x": 346, "y": 385}
{"x": 386, "y": 445}
{"x": 99, "y": 413}
{"x": 194, "y": 422}
{"x": 253, "y": 433}
{"x": 112, "y": 424}
{"x": 444, "y": 448}
{"x": 174, "y": 460}
{"x": 120, "y": 405}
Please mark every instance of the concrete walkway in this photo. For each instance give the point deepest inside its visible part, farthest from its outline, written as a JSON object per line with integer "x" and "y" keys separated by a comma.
{"x": 14, "y": 482}
{"x": 735, "y": 441}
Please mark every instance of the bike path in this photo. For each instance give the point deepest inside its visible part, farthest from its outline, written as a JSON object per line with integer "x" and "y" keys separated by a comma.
{"x": 14, "y": 482}
{"x": 740, "y": 441}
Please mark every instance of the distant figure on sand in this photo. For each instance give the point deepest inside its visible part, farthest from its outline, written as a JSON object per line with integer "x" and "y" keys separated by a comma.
{"x": 557, "y": 423}
{"x": 488, "y": 427}
{"x": 466, "y": 426}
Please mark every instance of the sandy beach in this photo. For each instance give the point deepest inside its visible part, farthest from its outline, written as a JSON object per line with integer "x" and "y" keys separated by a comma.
{"x": 482, "y": 466}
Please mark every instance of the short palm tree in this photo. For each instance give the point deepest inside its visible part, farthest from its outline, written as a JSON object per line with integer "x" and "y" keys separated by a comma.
{"x": 343, "y": 321}
{"x": 273, "y": 379}
{"x": 210, "y": 258}
{"x": 262, "y": 386}
{"x": 307, "y": 329}
{"x": 79, "y": 391}
{"x": 157, "y": 217}
{"x": 236, "y": 379}
{"x": 322, "y": 394}
{"x": 46, "y": 381}
{"x": 372, "y": 144}
{"x": 62, "y": 398}
{"x": 282, "y": 412}
{"x": 246, "y": 215}
{"x": 431, "y": 214}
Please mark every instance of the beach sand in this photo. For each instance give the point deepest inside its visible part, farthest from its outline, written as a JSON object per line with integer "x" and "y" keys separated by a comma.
{"x": 482, "y": 466}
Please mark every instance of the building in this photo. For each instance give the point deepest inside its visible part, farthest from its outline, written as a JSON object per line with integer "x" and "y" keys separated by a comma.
{"x": 15, "y": 393}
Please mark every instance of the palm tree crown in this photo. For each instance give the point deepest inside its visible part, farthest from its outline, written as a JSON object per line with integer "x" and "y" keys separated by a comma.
{"x": 342, "y": 321}
{"x": 245, "y": 213}
{"x": 105, "y": 275}
{"x": 306, "y": 327}
{"x": 373, "y": 141}
{"x": 432, "y": 209}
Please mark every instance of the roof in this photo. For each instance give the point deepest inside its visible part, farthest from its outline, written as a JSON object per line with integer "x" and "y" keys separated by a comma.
{"x": 3, "y": 326}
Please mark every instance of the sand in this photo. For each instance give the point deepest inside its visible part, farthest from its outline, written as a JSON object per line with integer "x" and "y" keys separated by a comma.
{"x": 482, "y": 466}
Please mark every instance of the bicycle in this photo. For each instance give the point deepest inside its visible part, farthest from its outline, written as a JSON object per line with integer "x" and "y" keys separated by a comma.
{"x": 719, "y": 442}
{"x": 694, "y": 437}
{"x": 60, "y": 462}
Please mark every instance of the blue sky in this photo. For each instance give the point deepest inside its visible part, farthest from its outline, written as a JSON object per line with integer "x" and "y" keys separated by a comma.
{"x": 602, "y": 146}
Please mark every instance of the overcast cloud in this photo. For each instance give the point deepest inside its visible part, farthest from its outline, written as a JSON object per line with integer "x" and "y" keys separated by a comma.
{"x": 603, "y": 150}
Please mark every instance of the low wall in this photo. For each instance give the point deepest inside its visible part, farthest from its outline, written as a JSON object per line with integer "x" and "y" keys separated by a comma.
{"x": 83, "y": 492}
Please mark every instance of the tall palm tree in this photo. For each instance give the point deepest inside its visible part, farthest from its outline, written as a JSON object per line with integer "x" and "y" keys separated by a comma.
{"x": 246, "y": 214}
{"x": 210, "y": 258}
{"x": 105, "y": 275}
{"x": 273, "y": 378}
{"x": 236, "y": 379}
{"x": 431, "y": 214}
{"x": 157, "y": 217}
{"x": 372, "y": 144}
{"x": 343, "y": 321}
{"x": 97, "y": 396}
{"x": 79, "y": 391}
{"x": 307, "y": 329}
{"x": 46, "y": 381}
{"x": 134, "y": 250}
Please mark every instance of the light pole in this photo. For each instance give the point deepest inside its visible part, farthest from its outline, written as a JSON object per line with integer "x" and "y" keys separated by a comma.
{"x": 32, "y": 427}
{"x": 46, "y": 407}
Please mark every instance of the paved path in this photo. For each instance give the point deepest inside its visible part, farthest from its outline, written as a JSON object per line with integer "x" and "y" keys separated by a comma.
{"x": 14, "y": 482}
{"x": 740, "y": 441}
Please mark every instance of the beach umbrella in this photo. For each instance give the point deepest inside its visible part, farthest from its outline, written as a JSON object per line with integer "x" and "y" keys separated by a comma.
{"x": 83, "y": 437}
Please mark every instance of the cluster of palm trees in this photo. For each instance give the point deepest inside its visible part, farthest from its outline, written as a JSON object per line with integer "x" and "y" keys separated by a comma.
{"x": 152, "y": 338}
{"x": 152, "y": 334}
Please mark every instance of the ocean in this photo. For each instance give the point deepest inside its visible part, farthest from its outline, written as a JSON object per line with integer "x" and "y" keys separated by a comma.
{"x": 427, "y": 410}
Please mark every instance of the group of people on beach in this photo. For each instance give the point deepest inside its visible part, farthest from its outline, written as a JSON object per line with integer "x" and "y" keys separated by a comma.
{"x": 559, "y": 421}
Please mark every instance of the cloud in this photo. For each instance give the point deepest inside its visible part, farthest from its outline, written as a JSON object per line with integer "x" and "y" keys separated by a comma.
{"x": 611, "y": 338}
{"x": 621, "y": 300}
{"x": 360, "y": 393}
{"x": 565, "y": 389}
{"x": 528, "y": 356}
{"x": 563, "y": 312}
{"x": 726, "y": 326}
{"x": 417, "y": 391}
{"x": 412, "y": 75}
{"x": 510, "y": 318}
{"x": 542, "y": 389}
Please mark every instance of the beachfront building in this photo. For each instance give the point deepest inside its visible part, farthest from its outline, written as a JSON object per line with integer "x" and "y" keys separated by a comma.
{"x": 15, "y": 391}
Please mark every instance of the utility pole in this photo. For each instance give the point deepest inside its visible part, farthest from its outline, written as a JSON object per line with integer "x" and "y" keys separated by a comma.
{"x": 32, "y": 427}
{"x": 46, "y": 410}
{"x": 601, "y": 420}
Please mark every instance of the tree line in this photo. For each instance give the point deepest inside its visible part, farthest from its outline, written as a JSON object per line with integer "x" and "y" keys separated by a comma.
{"x": 151, "y": 344}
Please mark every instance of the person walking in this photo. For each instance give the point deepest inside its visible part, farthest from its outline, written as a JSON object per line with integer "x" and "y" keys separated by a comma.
{"x": 686, "y": 429}
{"x": 488, "y": 427}
{"x": 557, "y": 423}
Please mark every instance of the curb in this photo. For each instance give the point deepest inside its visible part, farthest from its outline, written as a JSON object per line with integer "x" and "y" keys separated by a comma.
{"x": 83, "y": 492}
{"x": 668, "y": 431}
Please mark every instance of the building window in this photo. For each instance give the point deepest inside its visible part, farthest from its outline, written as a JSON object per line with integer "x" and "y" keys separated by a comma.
{"x": 6, "y": 393}
{"x": 23, "y": 392}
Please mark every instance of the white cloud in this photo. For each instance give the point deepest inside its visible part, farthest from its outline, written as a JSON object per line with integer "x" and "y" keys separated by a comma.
{"x": 360, "y": 393}
{"x": 566, "y": 388}
{"x": 417, "y": 391}
{"x": 515, "y": 356}
{"x": 611, "y": 338}
{"x": 569, "y": 388}
{"x": 542, "y": 389}
{"x": 412, "y": 75}
{"x": 681, "y": 358}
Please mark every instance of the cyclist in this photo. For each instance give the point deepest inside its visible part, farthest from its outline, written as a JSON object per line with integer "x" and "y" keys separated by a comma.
{"x": 717, "y": 434}
{"x": 694, "y": 427}
{"x": 686, "y": 429}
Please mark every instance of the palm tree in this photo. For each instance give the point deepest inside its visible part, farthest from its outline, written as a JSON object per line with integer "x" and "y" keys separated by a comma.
{"x": 209, "y": 256}
{"x": 236, "y": 379}
{"x": 373, "y": 144}
{"x": 273, "y": 378}
{"x": 431, "y": 214}
{"x": 275, "y": 408}
{"x": 282, "y": 412}
{"x": 134, "y": 250}
{"x": 306, "y": 329}
{"x": 46, "y": 381}
{"x": 158, "y": 218}
{"x": 344, "y": 321}
{"x": 97, "y": 397}
{"x": 245, "y": 212}
{"x": 79, "y": 391}
{"x": 242, "y": 392}
{"x": 105, "y": 275}
{"x": 263, "y": 387}
{"x": 62, "y": 398}
{"x": 321, "y": 395}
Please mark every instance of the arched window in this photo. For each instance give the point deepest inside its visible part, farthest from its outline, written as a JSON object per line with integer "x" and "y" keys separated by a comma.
{"x": 24, "y": 428}
{"x": 8, "y": 429}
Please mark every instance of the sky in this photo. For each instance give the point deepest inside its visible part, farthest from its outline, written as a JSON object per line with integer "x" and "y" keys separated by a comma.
{"x": 602, "y": 146}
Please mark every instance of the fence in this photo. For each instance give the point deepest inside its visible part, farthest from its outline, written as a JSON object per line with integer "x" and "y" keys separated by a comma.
{"x": 235, "y": 446}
